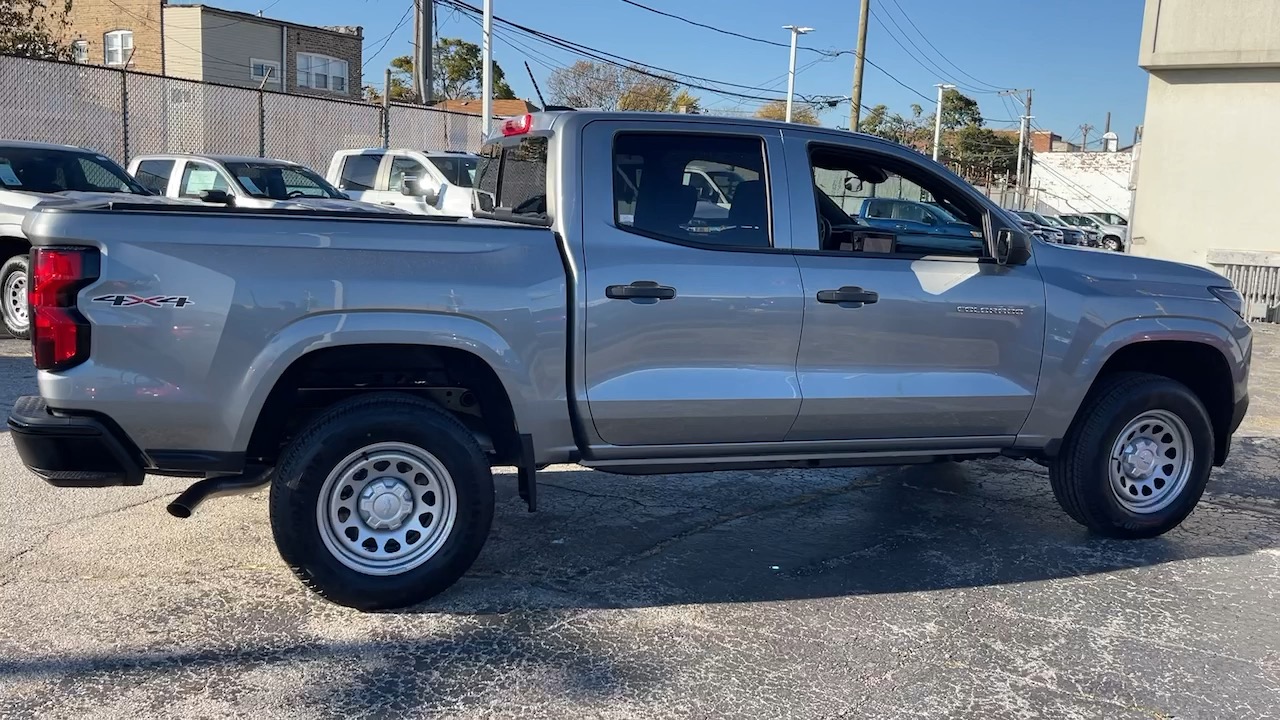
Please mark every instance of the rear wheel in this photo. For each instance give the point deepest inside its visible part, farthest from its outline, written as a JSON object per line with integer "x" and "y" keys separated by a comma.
{"x": 1137, "y": 459}
{"x": 13, "y": 301}
{"x": 382, "y": 502}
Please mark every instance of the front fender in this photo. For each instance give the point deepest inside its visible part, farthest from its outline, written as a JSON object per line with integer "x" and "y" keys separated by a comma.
{"x": 543, "y": 414}
{"x": 1071, "y": 365}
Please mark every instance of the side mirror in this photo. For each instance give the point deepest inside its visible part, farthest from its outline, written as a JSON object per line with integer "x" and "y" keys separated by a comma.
{"x": 216, "y": 197}
{"x": 1011, "y": 247}
{"x": 413, "y": 187}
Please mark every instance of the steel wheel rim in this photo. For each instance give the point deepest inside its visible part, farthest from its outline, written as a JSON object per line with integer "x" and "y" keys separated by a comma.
{"x": 387, "y": 508}
{"x": 1150, "y": 462}
{"x": 15, "y": 299}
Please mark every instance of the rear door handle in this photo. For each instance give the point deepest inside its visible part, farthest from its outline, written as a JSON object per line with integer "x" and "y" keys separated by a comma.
{"x": 849, "y": 296}
{"x": 644, "y": 292}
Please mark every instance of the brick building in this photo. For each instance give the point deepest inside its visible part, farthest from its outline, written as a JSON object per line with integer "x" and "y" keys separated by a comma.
{"x": 199, "y": 42}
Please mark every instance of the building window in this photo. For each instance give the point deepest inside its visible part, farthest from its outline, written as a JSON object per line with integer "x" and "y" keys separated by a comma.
{"x": 80, "y": 51}
{"x": 322, "y": 72}
{"x": 268, "y": 70}
{"x": 118, "y": 45}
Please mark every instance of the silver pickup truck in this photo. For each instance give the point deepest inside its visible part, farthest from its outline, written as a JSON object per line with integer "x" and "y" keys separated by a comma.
{"x": 373, "y": 369}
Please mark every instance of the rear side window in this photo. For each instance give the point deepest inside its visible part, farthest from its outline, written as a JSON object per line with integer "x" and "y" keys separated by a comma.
{"x": 655, "y": 192}
{"x": 360, "y": 172}
{"x": 154, "y": 175}
{"x": 511, "y": 180}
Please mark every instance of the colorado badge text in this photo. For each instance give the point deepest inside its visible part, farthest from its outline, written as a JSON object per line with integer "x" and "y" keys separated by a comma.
{"x": 991, "y": 310}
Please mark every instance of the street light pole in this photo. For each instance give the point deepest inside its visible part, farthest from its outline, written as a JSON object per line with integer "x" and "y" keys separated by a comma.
{"x": 937, "y": 120}
{"x": 796, "y": 32}
{"x": 486, "y": 103}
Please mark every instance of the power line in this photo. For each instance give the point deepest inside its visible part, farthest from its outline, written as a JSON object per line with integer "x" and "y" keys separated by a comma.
{"x": 940, "y": 54}
{"x": 831, "y": 53}
{"x": 386, "y": 39}
{"x": 920, "y": 59}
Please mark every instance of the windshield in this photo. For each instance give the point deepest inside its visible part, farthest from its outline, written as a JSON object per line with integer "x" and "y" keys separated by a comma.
{"x": 460, "y": 171}
{"x": 1054, "y": 221}
{"x": 280, "y": 182}
{"x": 51, "y": 170}
{"x": 1033, "y": 217}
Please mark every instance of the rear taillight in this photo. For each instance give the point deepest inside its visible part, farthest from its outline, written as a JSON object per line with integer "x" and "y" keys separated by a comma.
{"x": 59, "y": 333}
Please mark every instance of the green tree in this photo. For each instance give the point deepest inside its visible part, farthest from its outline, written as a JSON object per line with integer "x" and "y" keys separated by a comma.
{"x": 686, "y": 102}
{"x": 458, "y": 67}
{"x": 959, "y": 110}
{"x": 777, "y": 110}
{"x": 34, "y": 29}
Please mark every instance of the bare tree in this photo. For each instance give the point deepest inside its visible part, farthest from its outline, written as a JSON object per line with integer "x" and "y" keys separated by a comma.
{"x": 585, "y": 84}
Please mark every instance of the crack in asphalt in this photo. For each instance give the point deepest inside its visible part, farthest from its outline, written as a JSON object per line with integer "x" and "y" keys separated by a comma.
{"x": 56, "y": 528}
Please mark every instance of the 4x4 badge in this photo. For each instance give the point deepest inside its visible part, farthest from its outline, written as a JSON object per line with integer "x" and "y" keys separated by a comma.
{"x": 178, "y": 301}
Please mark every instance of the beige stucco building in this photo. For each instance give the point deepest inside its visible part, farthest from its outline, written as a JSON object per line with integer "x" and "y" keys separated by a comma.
{"x": 1209, "y": 158}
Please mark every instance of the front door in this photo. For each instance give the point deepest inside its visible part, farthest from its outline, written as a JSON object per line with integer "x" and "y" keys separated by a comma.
{"x": 911, "y": 340}
{"x": 691, "y": 321}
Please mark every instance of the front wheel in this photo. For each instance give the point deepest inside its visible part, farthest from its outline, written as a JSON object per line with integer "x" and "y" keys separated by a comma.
{"x": 13, "y": 305}
{"x": 382, "y": 502}
{"x": 1136, "y": 459}
{"x": 1111, "y": 243}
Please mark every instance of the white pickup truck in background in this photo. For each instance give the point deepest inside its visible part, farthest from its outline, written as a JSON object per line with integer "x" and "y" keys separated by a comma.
{"x": 421, "y": 182}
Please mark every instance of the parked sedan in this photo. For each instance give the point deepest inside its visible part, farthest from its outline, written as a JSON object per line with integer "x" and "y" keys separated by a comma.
{"x": 1114, "y": 237}
{"x": 245, "y": 182}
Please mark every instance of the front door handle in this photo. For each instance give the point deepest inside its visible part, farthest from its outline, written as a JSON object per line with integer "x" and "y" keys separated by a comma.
{"x": 849, "y": 296}
{"x": 644, "y": 292}
{"x": 388, "y": 202}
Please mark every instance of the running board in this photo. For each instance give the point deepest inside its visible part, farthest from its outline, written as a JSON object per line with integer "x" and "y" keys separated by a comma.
{"x": 664, "y": 466}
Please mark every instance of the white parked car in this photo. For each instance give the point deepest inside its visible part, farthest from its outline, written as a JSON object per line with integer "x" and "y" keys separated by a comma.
{"x": 421, "y": 182}
{"x": 245, "y": 182}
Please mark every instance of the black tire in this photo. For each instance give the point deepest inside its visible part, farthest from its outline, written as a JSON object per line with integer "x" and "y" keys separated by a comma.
{"x": 1080, "y": 472}
{"x": 15, "y": 326}
{"x": 1112, "y": 243}
{"x": 338, "y": 433}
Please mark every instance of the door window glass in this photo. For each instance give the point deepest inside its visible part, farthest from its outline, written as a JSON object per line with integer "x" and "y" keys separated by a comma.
{"x": 197, "y": 178}
{"x": 402, "y": 167}
{"x": 655, "y": 193}
{"x": 154, "y": 175}
{"x": 360, "y": 172}
{"x": 873, "y": 204}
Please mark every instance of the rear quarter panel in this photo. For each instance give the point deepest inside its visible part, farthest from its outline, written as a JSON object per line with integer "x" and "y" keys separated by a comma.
{"x": 264, "y": 291}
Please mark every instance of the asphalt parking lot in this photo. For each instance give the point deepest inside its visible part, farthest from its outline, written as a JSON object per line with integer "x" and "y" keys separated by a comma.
{"x": 936, "y": 591}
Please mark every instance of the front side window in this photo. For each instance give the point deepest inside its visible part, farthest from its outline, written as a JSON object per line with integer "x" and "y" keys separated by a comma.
{"x": 154, "y": 175}
{"x": 869, "y": 203}
{"x": 118, "y": 47}
{"x": 279, "y": 182}
{"x": 655, "y": 193}
{"x": 322, "y": 72}
{"x": 198, "y": 177}
{"x": 402, "y": 167}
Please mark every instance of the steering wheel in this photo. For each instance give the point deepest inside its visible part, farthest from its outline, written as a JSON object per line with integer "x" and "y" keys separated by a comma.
{"x": 296, "y": 194}
{"x": 824, "y": 231}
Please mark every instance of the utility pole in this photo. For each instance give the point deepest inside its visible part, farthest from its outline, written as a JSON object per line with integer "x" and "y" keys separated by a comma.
{"x": 937, "y": 120}
{"x": 796, "y": 32}
{"x": 423, "y": 24}
{"x": 1024, "y": 151}
{"x": 1085, "y": 129}
{"x": 486, "y": 81}
{"x": 859, "y": 58}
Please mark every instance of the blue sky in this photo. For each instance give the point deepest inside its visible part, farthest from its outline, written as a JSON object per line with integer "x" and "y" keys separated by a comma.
{"x": 1080, "y": 56}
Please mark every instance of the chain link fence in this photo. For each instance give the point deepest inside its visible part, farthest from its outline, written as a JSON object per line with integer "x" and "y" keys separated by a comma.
{"x": 125, "y": 114}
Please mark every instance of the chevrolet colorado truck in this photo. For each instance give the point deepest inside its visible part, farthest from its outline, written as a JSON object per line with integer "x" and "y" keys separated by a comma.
{"x": 373, "y": 369}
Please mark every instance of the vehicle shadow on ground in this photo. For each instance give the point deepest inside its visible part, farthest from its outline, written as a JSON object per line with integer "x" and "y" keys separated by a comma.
{"x": 17, "y": 378}
{"x": 601, "y": 541}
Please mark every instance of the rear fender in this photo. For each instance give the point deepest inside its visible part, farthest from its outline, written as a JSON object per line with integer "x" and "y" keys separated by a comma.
{"x": 330, "y": 330}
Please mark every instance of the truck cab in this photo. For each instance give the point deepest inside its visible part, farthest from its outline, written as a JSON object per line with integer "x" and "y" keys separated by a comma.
{"x": 417, "y": 181}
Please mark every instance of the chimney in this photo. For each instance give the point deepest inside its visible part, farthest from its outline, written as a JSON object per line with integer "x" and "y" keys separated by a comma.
{"x": 1110, "y": 142}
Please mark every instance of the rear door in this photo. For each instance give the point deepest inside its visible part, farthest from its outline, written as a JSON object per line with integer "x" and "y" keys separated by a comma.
{"x": 690, "y": 327}
{"x": 358, "y": 175}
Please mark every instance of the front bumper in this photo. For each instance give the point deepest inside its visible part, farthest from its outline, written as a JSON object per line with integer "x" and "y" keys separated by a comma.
{"x": 72, "y": 450}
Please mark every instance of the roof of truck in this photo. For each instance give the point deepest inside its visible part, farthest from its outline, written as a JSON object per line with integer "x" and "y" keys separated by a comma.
{"x": 216, "y": 158}
{"x": 40, "y": 145}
